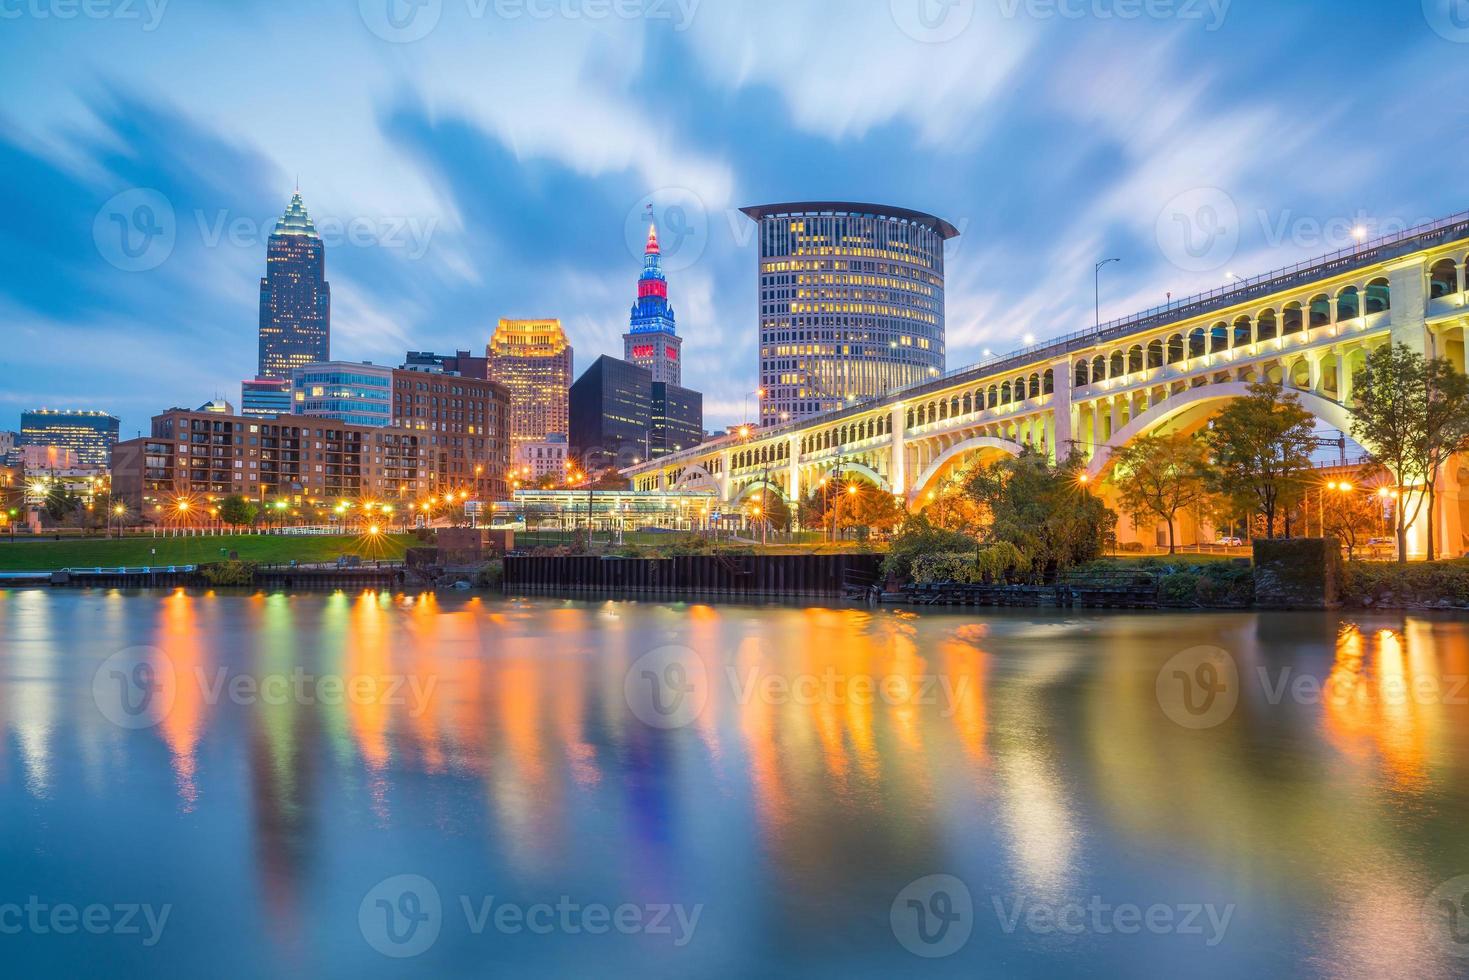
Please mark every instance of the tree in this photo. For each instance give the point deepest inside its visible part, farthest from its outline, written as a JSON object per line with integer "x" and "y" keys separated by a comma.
{"x": 238, "y": 511}
{"x": 60, "y": 502}
{"x": 1260, "y": 449}
{"x": 865, "y": 506}
{"x": 1350, "y": 513}
{"x": 1044, "y": 510}
{"x": 1412, "y": 414}
{"x": 1160, "y": 476}
{"x": 773, "y": 509}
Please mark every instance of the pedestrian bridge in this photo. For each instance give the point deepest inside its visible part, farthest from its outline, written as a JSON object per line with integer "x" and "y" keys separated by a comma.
{"x": 1169, "y": 369}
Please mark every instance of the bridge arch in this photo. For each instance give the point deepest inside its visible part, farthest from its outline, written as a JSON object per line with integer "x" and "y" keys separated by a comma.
{"x": 849, "y": 467}
{"x": 696, "y": 478}
{"x": 749, "y": 489}
{"x": 1328, "y": 411}
{"x": 957, "y": 451}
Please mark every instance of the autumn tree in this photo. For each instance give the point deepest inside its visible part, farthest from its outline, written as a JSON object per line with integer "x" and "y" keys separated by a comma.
{"x": 1159, "y": 476}
{"x": 1412, "y": 414}
{"x": 1350, "y": 513}
{"x": 1260, "y": 448}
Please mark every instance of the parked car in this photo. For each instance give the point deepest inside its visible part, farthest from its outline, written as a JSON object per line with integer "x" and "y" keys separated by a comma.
{"x": 1230, "y": 542}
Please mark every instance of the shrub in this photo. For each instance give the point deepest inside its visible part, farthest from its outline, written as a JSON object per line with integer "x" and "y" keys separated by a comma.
{"x": 490, "y": 575}
{"x": 918, "y": 537}
{"x": 1421, "y": 584}
{"x": 229, "y": 573}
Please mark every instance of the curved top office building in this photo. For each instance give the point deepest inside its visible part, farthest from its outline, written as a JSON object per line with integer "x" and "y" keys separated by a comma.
{"x": 851, "y": 303}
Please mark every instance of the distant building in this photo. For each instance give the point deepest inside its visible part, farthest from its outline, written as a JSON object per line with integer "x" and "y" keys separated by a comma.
{"x": 35, "y": 458}
{"x": 265, "y": 397}
{"x": 305, "y": 464}
{"x": 851, "y": 303}
{"x": 295, "y": 298}
{"x": 677, "y": 418}
{"x": 91, "y": 434}
{"x": 533, "y": 360}
{"x": 357, "y": 392}
{"x": 651, "y": 341}
{"x": 461, "y": 363}
{"x": 534, "y": 461}
{"x": 463, "y": 424}
{"x": 9, "y": 444}
{"x": 611, "y": 414}
{"x": 218, "y": 406}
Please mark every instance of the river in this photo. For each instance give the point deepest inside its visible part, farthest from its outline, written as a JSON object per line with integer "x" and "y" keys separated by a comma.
{"x": 378, "y": 785}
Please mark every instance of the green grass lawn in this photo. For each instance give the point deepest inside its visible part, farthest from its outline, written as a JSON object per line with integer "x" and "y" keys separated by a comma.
{"x": 27, "y": 556}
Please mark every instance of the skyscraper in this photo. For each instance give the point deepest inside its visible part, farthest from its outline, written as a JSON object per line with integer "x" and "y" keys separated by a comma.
{"x": 611, "y": 414}
{"x": 91, "y": 435}
{"x": 851, "y": 303}
{"x": 295, "y": 298}
{"x": 651, "y": 341}
{"x": 532, "y": 359}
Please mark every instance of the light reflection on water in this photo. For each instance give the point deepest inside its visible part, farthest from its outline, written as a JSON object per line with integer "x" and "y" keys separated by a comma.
{"x": 489, "y": 746}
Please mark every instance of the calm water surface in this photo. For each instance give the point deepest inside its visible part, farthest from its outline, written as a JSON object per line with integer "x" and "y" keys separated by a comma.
{"x": 335, "y": 785}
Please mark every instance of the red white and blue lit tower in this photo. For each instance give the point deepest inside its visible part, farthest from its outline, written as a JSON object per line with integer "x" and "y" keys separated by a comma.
{"x": 651, "y": 341}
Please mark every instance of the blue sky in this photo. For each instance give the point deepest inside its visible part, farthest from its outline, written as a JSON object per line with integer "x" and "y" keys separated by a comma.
{"x": 483, "y": 158}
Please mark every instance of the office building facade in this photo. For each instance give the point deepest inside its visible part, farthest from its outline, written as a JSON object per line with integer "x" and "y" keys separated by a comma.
{"x": 295, "y": 298}
{"x": 463, "y": 427}
{"x": 535, "y": 461}
{"x": 90, "y": 434}
{"x": 461, "y": 363}
{"x": 533, "y": 360}
{"x": 651, "y": 341}
{"x": 309, "y": 464}
{"x": 677, "y": 418}
{"x": 611, "y": 414}
{"x": 265, "y": 398}
{"x": 359, "y": 393}
{"x": 851, "y": 303}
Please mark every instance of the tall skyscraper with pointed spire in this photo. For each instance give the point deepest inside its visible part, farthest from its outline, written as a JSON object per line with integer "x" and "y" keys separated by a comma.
{"x": 295, "y": 298}
{"x": 651, "y": 341}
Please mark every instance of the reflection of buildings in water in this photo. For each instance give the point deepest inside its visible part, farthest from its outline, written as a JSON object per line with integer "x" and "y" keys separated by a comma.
{"x": 840, "y": 775}
{"x": 282, "y": 767}
{"x": 32, "y": 709}
{"x": 181, "y": 640}
{"x": 1275, "y": 809}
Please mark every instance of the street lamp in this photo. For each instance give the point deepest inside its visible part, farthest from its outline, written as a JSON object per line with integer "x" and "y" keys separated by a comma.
{"x": 1097, "y": 291}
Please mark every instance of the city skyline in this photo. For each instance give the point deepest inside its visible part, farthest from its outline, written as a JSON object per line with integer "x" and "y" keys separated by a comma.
{"x": 428, "y": 253}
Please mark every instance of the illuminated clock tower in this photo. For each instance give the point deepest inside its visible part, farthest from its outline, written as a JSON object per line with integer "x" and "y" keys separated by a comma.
{"x": 651, "y": 341}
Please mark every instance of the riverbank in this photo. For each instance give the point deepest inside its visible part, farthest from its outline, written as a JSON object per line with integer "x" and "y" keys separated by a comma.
{"x": 39, "y": 555}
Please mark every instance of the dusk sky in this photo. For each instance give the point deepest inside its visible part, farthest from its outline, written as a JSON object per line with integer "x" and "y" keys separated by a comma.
{"x": 473, "y": 159}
